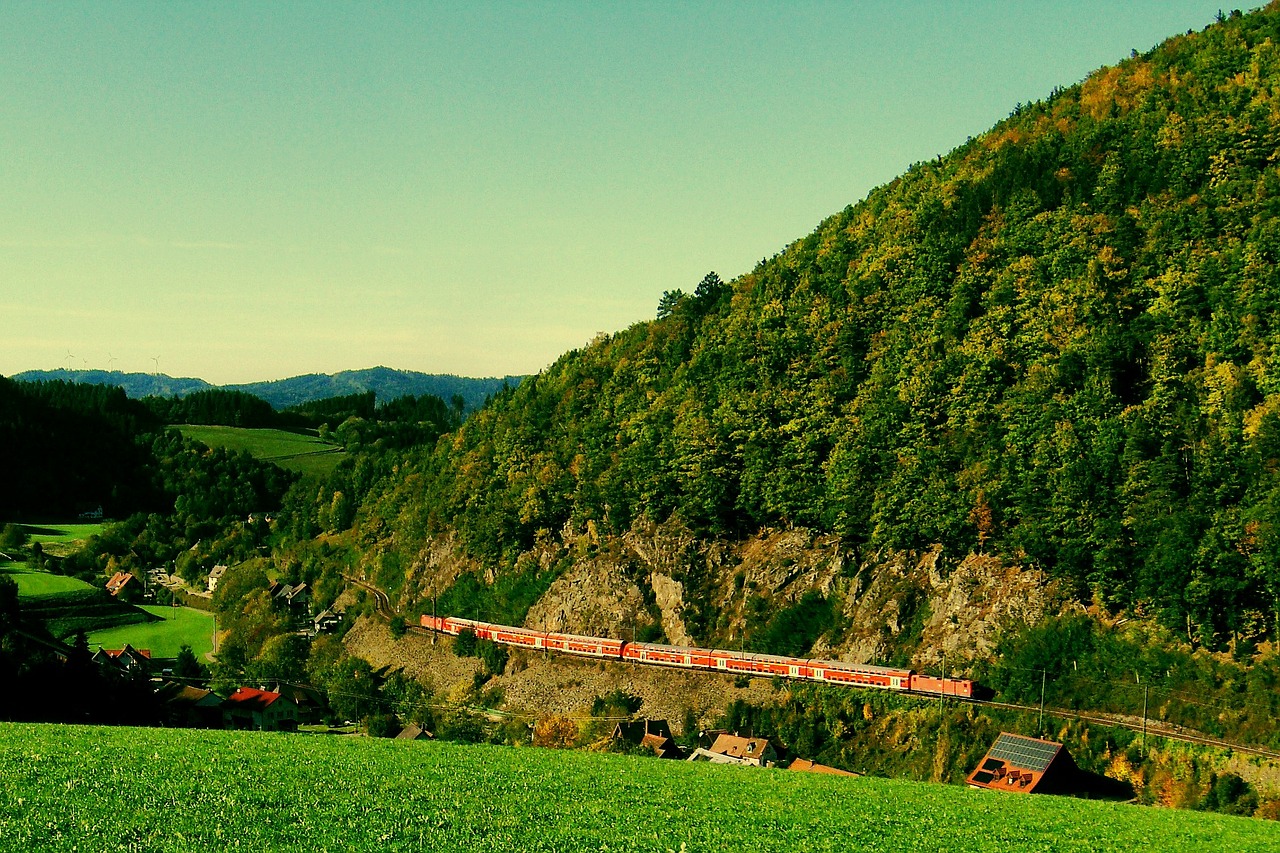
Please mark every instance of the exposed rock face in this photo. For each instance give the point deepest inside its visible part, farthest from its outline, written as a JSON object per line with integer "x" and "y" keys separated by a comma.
{"x": 971, "y": 605}
{"x": 919, "y": 608}
{"x": 668, "y": 593}
{"x": 944, "y": 615}
{"x": 593, "y": 597}
{"x": 439, "y": 563}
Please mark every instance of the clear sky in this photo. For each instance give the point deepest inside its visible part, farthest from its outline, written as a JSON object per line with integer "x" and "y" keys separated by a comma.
{"x": 250, "y": 191}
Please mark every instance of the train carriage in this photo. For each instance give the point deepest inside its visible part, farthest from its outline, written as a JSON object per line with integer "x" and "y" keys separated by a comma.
{"x": 718, "y": 660}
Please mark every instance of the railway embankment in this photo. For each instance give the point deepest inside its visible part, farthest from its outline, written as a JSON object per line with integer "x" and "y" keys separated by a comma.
{"x": 539, "y": 684}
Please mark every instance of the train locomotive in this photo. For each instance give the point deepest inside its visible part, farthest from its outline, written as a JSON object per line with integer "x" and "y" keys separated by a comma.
{"x": 713, "y": 660}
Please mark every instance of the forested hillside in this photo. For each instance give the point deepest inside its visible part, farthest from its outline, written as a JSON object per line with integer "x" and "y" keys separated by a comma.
{"x": 1057, "y": 345}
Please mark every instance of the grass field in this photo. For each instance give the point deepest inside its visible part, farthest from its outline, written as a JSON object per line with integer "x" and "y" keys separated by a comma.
{"x": 80, "y": 788}
{"x": 42, "y": 584}
{"x": 178, "y": 626}
{"x": 306, "y": 454}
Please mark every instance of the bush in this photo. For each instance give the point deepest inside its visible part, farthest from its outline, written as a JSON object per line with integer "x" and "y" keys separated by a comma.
{"x": 555, "y": 732}
{"x": 619, "y": 703}
{"x": 493, "y": 655}
{"x": 1229, "y": 794}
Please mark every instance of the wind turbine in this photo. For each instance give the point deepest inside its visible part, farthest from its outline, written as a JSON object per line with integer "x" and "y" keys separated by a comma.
{"x": 111, "y": 363}
{"x": 156, "y": 359}
{"x": 69, "y": 357}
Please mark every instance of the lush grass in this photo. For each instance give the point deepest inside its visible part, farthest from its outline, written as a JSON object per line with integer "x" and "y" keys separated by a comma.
{"x": 42, "y": 584}
{"x": 76, "y": 788}
{"x": 179, "y": 626}
{"x": 67, "y": 534}
{"x": 306, "y": 454}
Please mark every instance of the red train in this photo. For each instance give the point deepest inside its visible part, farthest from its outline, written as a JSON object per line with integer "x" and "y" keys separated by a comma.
{"x": 716, "y": 660}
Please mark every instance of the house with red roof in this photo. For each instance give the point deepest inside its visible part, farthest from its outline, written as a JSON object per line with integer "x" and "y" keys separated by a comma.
{"x": 261, "y": 710}
{"x": 126, "y": 661}
{"x": 732, "y": 749}
{"x": 123, "y": 585}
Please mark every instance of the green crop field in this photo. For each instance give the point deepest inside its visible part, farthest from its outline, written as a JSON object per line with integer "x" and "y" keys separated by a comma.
{"x": 81, "y": 788}
{"x": 178, "y": 626}
{"x": 306, "y": 454}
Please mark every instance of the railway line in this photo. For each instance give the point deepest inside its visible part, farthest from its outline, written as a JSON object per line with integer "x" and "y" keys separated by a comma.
{"x": 1154, "y": 728}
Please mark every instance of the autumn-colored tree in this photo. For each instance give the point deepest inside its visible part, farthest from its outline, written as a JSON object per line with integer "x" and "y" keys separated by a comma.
{"x": 555, "y": 732}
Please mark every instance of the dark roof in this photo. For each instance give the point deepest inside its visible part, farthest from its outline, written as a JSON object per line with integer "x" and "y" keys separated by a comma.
{"x": 412, "y": 732}
{"x": 1018, "y": 763}
{"x": 635, "y": 731}
{"x": 298, "y": 694}
{"x": 172, "y": 693}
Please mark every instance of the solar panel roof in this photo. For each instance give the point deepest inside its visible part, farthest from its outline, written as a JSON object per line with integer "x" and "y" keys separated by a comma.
{"x": 1027, "y": 753}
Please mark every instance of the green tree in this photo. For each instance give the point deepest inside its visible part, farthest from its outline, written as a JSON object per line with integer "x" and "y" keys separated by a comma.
{"x": 186, "y": 667}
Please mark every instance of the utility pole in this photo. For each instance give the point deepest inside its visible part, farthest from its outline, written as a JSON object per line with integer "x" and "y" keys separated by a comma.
{"x": 943, "y": 691}
{"x": 1146, "y": 690}
{"x": 1043, "y": 676}
{"x": 433, "y": 619}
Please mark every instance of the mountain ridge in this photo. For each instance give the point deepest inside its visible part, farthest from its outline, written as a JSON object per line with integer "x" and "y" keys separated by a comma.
{"x": 387, "y": 383}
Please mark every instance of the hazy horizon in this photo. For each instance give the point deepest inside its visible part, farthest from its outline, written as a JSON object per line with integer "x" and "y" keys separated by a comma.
{"x": 249, "y": 192}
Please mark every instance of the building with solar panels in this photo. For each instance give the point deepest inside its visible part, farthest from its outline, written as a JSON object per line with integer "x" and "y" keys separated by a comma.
{"x": 1026, "y": 765}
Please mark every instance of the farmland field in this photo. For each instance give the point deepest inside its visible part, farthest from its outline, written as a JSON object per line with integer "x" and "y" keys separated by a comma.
{"x": 178, "y": 626}
{"x": 306, "y": 454}
{"x": 42, "y": 584}
{"x": 65, "y": 534}
{"x": 75, "y": 788}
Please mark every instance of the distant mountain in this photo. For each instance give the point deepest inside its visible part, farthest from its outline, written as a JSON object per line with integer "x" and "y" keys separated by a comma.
{"x": 386, "y": 383}
{"x": 135, "y": 385}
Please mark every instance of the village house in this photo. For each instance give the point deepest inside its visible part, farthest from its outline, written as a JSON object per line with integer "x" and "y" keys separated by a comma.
{"x": 190, "y": 707}
{"x": 413, "y": 732}
{"x": 215, "y": 575}
{"x": 654, "y": 735}
{"x": 122, "y": 585}
{"x": 308, "y": 701}
{"x": 125, "y": 661}
{"x": 732, "y": 749}
{"x": 1024, "y": 765}
{"x": 1018, "y": 764}
{"x": 326, "y": 621}
{"x": 261, "y": 710}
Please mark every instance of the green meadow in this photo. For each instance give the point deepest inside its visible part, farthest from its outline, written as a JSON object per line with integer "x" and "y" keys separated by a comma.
{"x": 305, "y": 454}
{"x": 177, "y": 626}
{"x": 82, "y": 788}
{"x": 57, "y": 540}
{"x": 42, "y": 584}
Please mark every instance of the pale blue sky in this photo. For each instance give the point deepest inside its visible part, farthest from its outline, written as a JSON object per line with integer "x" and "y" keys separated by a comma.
{"x": 250, "y": 191}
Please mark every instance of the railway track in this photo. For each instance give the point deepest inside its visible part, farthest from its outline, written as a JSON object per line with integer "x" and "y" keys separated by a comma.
{"x": 1155, "y": 728}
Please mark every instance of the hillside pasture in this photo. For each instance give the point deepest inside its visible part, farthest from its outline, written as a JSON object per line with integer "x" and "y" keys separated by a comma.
{"x": 62, "y": 786}
{"x": 43, "y": 585}
{"x": 174, "y": 628}
{"x": 305, "y": 454}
